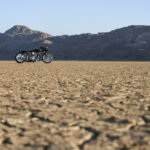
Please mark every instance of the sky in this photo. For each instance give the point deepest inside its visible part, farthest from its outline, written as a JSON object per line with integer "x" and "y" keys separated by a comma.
{"x": 61, "y": 17}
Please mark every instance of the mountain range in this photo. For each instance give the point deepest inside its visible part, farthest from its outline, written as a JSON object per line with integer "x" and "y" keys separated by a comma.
{"x": 128, "y": 43}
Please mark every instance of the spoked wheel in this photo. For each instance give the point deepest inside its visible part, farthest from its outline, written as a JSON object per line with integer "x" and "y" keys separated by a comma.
{"x": 20, "y": 58}
{"x": 47, "y": 58}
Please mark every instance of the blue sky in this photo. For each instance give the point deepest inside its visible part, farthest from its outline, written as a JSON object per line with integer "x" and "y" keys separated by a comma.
{"x": 58, "y": 17}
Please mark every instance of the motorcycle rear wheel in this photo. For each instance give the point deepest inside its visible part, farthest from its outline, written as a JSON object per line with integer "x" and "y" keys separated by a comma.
{"x": 19, "y": 58}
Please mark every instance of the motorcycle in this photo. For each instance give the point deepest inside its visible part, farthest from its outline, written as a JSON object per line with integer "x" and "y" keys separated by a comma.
{"x": 34, "y": 55}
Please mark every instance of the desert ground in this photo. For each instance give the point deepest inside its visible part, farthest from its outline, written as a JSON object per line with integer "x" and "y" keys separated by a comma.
{"x": 75, "y": 105}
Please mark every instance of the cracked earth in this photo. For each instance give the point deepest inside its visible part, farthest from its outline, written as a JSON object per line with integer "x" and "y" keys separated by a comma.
{"x": 75, "y": 106}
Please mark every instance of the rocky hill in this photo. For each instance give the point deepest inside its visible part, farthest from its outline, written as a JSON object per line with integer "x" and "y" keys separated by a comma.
{"x": 19, "y": 38}
{"x": 129, "y": 43}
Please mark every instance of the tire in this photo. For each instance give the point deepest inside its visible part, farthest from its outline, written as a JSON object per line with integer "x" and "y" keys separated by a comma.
{"x": 47, "y": 58}
{"x": 20, "y": 58}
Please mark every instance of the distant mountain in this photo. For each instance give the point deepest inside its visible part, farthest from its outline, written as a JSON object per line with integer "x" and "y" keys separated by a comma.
{"x": 129, "y": 43}
{"x": 19, "y": 38}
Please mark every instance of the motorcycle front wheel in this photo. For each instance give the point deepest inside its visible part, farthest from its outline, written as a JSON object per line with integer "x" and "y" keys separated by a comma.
{"x": 47, "y": 58}
{"x": 20, "y": 58}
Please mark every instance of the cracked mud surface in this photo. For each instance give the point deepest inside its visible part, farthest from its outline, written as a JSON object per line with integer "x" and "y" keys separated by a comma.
{"x": 75, "y": 106}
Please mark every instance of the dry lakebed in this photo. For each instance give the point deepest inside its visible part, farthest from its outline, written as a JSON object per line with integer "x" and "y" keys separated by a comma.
{"x": 75, "y": 105}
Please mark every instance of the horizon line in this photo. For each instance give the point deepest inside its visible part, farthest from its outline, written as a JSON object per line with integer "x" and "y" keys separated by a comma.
{"x": 76, "y": 33}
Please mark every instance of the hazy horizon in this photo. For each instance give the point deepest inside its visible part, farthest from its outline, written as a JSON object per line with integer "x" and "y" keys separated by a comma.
{"x": 69, "y": 17}
{"x": 74, "y": 34}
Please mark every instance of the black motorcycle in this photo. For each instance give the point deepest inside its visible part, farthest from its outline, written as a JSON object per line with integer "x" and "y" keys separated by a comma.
{"x": 34, "y": 55}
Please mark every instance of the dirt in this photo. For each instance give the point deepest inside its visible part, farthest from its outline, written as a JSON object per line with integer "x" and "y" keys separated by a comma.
{"x": 75, "y": 105}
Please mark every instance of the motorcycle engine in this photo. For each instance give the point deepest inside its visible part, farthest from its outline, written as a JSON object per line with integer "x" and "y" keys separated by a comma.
{"x": 32, "y": 57}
